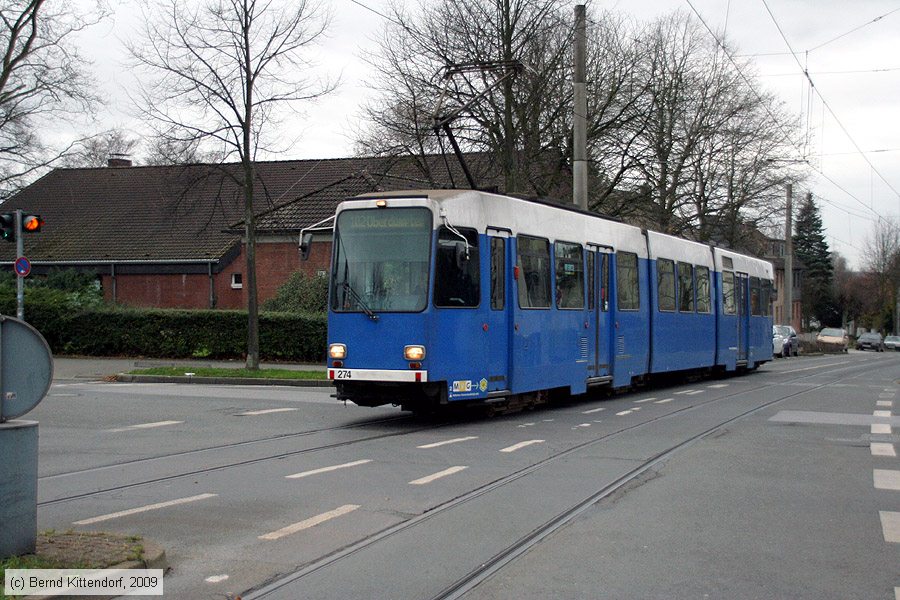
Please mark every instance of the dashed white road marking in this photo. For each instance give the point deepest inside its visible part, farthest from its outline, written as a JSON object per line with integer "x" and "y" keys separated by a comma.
{"x": 582, "y": 425}
{"x": 524, "y": 425}
{"x": 145, "y": 426}
{"x": 64, "y": 395}
{"x": 438, "y": 475}
{"x": 682, "y": 392}
{"x": 264, "y": 411}
{"x": 140, "y": 509}
{"x": 717, "y": 386}
{"x": 216, "y": 578}
{"x": 693, "y": 392}
{"x": 881, "y": 413}
{"x": 897, "y": 593}
{"x": 644, "y": 400}
{"x": 311, "y": 522}
{"x": 887, "y": 395}
{"x": 355, "y": 463}
{"x": 885, "y": 403}
{"x": 521, "y": 445}
{"x": 593, "y": 410}
{"x": 664, "y": 401}
{"x": 886, "y": 479}
{"x": 890, "y": 526}
{"x": 881, "y": 428}
{"x": 624, "y": 412}
{"x": 446, "y": 442}
{"x": 882, "y": 449}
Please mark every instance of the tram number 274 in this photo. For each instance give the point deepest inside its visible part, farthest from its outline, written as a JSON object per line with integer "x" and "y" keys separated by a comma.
{"x": 342, "y": 374}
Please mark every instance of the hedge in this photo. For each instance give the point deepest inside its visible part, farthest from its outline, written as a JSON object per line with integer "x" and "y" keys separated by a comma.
{"x": 161, "y": 333}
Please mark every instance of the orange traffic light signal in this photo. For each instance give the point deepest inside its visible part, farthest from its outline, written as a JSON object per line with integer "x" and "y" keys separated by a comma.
{"x": 32, "y": 223}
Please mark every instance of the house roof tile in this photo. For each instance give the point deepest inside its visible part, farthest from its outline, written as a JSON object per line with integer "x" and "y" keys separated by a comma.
{"x": 194, "y": 212}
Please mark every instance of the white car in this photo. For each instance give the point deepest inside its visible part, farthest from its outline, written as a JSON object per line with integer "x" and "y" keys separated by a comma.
{"x": 777, "y": 342}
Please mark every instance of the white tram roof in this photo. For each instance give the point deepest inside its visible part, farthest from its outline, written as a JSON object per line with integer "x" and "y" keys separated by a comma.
{"x": 483, "y": 210}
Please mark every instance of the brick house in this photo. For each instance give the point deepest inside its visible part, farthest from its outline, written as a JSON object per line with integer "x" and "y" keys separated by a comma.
{"x": 171, "y": 236}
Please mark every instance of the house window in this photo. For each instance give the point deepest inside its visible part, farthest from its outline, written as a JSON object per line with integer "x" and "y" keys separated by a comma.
{"x": 237, "y": 281}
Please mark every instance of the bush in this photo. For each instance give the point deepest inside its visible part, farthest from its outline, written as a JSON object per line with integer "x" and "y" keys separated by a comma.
{"x": 300, "y": 294}
{"x": 100, "y": 331}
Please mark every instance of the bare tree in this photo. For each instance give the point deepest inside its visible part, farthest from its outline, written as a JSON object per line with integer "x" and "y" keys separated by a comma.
{"x": 219, "y": 73}
{"x": 95, "y": 151}
{"x": 514, "y": 120}
{"x": 881, "y": 258}
{"x": 164, "y": 150}
{"x": 41, "y": 78}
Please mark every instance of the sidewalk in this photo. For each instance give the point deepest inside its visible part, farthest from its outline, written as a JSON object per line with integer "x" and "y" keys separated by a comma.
{"x": 94, "y": 368}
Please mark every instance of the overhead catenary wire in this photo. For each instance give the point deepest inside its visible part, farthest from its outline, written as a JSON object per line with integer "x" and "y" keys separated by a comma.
{"x": 826, "y": 104}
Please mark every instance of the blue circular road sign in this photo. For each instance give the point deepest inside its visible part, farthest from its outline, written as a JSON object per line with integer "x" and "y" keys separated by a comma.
{"x": 23, "y": 266}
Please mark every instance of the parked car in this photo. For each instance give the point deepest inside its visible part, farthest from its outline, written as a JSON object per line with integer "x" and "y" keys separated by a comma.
{"x": 870, "y": 341}
{"x": 791, "y": 341}
{"x": 832, "y": 338}
{"x": 892, "y": 342}
{"x": 777, "y": 342}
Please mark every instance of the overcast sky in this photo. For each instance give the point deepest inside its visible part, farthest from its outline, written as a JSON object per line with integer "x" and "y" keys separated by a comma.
{"x": 857, "y": 73}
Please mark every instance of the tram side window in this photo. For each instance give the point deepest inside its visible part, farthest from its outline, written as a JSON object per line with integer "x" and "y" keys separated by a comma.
{"x": 604, "y": 282}
{"x": 591, "y": 280}
{"x": 685, "y": 287}
{"x": 498, "y": 273}
{"x": 755, "y": 303}
{"x": 534, "y": 272}
{"x": 628, "y": 295}
{"x": 665, "y": 278}
{"x": 729, "y": 301}
{"x": 569, "y": 275}
{"x": 766, "y": 297}
{"x": 456, "y": 282}
{"x": 703, "y": 294}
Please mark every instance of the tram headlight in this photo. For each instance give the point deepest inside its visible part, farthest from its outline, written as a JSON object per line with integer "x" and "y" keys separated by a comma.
{"x": 414, "y": 352}
{"x": 337, "y": 351}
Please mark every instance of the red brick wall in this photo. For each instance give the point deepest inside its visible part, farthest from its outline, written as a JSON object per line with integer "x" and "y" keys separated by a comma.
{"x": 159, "y": 291}
{"x": 275, "y": 261}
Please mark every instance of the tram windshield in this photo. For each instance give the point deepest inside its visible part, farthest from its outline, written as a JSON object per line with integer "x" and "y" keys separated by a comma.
{"x": 381, "y": 260}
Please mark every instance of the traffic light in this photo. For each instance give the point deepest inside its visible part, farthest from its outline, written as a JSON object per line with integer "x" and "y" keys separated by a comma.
{"x": 8, "y": 229}
{"x": 8, "y": 226}
{"x": 32, "y": 223}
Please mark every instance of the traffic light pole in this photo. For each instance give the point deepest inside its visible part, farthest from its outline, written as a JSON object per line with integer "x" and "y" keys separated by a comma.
{"x": 20, "y": 281}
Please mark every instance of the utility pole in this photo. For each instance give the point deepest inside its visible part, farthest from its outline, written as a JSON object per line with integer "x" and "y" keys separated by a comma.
{"x": 20, "y": 281}
{"x": 579, "y": 148}
{"x": 789, "y": 259}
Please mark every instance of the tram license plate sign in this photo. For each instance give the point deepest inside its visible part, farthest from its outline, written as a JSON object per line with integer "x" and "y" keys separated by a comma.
{"x": 343, "y": 374}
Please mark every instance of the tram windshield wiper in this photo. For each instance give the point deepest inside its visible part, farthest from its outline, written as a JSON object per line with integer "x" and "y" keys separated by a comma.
{"x": 359, "y": 301}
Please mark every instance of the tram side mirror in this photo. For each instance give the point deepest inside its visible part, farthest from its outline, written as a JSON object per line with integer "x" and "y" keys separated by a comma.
{"x": 305, "y": 244}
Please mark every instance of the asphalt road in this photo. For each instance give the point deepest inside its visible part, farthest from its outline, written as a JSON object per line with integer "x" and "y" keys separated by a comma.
{"x": 778, "y": 484}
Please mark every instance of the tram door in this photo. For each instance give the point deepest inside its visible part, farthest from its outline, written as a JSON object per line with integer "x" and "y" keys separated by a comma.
{"x": 742, "y": 296}
{"x": 499, "y": 313}
{"x": 597, "y": 270}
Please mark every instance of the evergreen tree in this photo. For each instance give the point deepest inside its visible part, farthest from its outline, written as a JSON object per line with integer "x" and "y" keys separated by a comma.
{"x": 812, "y": 251}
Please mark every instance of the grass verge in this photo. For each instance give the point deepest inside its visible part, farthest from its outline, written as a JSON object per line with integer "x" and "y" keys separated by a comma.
{"x": 225, "y": 372}
{"x": 74, "y": 550}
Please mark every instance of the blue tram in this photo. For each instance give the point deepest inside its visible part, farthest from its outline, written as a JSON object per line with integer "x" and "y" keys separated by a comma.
{"x": 452, "y": 296}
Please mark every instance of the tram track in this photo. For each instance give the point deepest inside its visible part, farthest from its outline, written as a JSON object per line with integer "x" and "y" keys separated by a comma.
{"x": 221, "y": 447}
{"x": 487, "y": 568}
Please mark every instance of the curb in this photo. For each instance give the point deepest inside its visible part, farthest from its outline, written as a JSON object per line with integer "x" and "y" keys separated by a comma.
{"x": 153, "y": 557}
{"x": 127, "y": 378}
